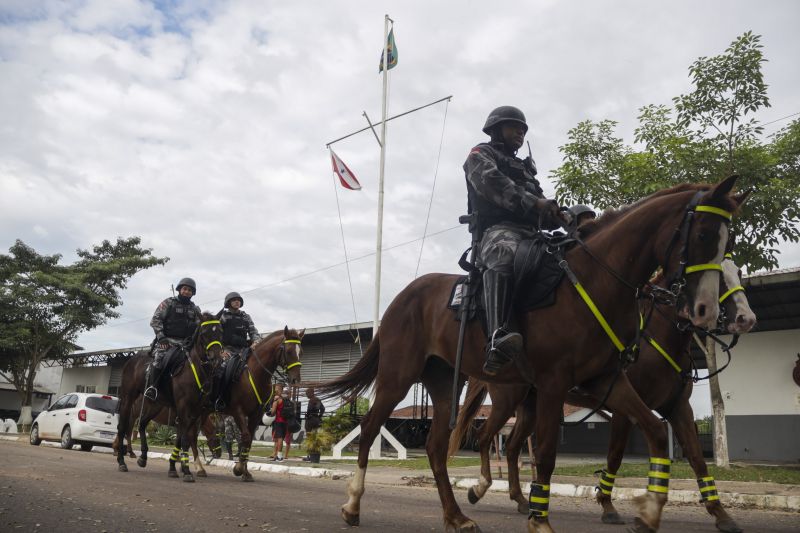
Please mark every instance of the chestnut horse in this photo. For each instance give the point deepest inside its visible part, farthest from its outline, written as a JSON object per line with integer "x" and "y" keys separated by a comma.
{"x": 663, "y": 390}
{"x": 167, "y": 417}
{"x": 250, "y": 396}
{"x": 565, "y": 345}
{"x": 186, "y": 392}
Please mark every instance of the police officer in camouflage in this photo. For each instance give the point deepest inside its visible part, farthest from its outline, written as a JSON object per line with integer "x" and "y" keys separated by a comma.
{"x": 174, "y": 323}
{"x": 238, "y": 329}
{"x": 505, "y": 195}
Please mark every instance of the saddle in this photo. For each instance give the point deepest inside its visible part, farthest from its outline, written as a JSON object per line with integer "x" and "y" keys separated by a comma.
{"x": 236, "y": 364}
{"x": 172, "y": 365}
{"x": 536, "y": 275}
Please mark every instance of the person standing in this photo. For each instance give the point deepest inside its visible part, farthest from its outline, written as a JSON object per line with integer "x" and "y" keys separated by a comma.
{"x": 314, "y": 412}
{"x": 173, "y": 322}
{"x": 507, "y": 200}
{"x": 279, "y": 424}
{"x": 232, "y": 434}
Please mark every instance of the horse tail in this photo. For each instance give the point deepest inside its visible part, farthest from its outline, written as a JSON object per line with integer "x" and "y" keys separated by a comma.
{"x": 476, "y": 393}
{"x": 357, "y": 380}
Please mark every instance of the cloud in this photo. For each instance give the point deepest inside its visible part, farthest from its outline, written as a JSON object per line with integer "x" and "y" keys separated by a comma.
{"x": 201, "y": 127}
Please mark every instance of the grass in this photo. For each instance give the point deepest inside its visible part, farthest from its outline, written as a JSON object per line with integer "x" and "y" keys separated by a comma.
{"x": 682, "y": 470}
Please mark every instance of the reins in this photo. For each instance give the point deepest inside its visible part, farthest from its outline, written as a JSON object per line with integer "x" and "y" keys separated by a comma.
{"x": 281, "y": 362}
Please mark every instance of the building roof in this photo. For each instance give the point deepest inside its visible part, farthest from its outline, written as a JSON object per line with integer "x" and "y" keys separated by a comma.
{"x": 36, "y": 388}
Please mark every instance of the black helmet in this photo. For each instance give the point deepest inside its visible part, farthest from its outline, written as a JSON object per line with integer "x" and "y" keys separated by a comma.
{"x": 506, "y": 113}
{"x": 189, "y": 282}
{"x": 580, "y": 209}
{"x": 233, "y": 296}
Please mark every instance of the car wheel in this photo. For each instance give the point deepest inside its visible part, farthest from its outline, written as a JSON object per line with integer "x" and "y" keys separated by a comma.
{"x": 35, "y": 440}
{"x": 86, "y": 447}
{"x": 66, "y": 438}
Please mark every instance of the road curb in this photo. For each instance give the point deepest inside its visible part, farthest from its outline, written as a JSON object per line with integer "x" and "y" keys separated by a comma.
{"x": 773, "y": 502}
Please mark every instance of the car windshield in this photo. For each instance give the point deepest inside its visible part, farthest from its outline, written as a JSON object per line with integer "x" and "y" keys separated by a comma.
{"x": 102, "y": 403}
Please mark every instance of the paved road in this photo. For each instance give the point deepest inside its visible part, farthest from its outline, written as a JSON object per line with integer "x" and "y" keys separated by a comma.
{"x": 49, "y": 489}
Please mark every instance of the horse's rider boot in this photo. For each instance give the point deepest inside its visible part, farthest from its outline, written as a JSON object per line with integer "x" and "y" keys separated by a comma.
{"x": 150, "y": 391}
{"x": 503, "y": 345}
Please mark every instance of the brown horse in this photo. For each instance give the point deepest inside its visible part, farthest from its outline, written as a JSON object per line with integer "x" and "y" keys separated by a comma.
{"x": 565, "y": 345}
{"x": 167, "y": 417}
{"x": 666, "y": 392}
{"x": 250, "y": 396}
{"x": 186, "y": 391}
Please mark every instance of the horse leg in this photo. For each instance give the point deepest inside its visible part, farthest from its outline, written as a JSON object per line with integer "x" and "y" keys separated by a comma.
{"x": 246, "y": 428}
{"x": 438, "y": 379}
{"x": 523, "y": 427}
{"x": 682, "y": 420}
{"x": 122, "y": 424}
{"x": 620, "y": 431}
{"x": 485, "y": 435}
{"x": 624, "y": 401}
{"x": 386, "y": 399}
{"x": 198, "y": 464}
{"x": 185, "y": 424}
{"x": 548, "y": 416}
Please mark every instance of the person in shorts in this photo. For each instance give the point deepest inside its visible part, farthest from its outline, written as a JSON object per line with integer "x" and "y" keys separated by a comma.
{"x": 279, "y": 430}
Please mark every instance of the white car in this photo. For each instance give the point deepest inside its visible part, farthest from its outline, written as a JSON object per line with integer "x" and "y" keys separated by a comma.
{"x": 78, "y": 418}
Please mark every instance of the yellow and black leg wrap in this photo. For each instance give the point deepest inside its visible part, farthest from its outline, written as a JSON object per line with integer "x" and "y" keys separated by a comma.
{"x": 708, "y": 489}
{"x": 658, "y": 477}
{"x": 244, "y": 455}
{"x": 174, "y": 456}
{"x": 539, "y": 501}
{"x": 185, "y": 458}
{"x": 606, "y": 483}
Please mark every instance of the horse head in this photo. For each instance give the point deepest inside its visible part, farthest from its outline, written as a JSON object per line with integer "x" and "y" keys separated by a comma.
{"x": 291, "y": 350}
{"x": 695, "y": 254}
{"x": 208, "y": 339}
{"x": 735, "y": 313}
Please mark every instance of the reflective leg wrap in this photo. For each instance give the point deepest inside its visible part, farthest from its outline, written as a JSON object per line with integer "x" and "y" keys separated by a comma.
{"x": 539, "y": 501}
{"x": 175, "y": 452}
{"x": 658, "y": 477}
{"x": 606, "y": 483}
{"x": 185, "y": 459}
{"x": 708, "y": 489}
{"x": 244, "y": 455}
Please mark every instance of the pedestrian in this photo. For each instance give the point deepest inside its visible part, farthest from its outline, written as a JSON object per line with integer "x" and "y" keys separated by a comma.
{"x": 290, "y": 415}
{"x": 232, "y": 434}
{"x": 279, "y": 424}
{"x": 173, "y": 322}
{"x": 507, "y": 199}
{"x": 314, "y": 412}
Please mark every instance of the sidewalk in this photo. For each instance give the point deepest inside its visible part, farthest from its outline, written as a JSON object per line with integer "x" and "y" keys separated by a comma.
{"x": 771, "y": 496}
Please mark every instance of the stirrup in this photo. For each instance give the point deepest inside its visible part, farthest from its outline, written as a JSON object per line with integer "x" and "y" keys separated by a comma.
{"x": 151, "y": 393}
{"x": 496, "y": 360}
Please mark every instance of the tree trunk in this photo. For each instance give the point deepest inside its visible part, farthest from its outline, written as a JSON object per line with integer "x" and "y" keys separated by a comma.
{"x": 718, "y": 406}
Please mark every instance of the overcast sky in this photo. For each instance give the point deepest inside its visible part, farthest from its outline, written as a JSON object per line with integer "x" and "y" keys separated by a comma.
{"x": 201, "y": 126}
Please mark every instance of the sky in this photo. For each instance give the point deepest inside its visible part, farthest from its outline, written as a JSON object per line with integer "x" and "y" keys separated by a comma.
{"x": 201, "y": 126}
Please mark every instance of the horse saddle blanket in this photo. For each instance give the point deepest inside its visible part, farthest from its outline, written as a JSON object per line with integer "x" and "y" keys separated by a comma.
{"x": 536, "y": 275}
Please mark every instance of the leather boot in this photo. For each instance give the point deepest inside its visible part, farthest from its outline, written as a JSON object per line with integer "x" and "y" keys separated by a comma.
{"x": 150, "y": 389}
{"x": 504, "y": 344}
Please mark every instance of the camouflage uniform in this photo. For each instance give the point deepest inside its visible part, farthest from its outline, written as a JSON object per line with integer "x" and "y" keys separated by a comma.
{"x": 173, "y": 322}
{"x": 238, "y": 331}
{"x": 232, "y": 434}
{"x": 504, "y": 193}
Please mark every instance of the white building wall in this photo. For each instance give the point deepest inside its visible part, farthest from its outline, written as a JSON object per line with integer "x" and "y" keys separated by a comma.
{"x": 97, "y": 376}
{"x": 759, "y": 378}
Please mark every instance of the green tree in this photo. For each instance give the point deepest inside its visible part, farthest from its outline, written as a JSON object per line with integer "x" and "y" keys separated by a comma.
{"x": 45, "y": 305}
{"x": 707, "y": 134}
{"x": 345, "y": 418}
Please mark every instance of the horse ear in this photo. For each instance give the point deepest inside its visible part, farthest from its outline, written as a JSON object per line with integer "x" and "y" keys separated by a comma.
{"x": 742, "y": 197}
{"x": 285, "y": 331}
{"x": 724, "y": 187}
{"x": 301, "y": 333}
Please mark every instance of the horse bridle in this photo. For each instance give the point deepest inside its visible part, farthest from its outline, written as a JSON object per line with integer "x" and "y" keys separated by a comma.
{"x": 278, "y": 373}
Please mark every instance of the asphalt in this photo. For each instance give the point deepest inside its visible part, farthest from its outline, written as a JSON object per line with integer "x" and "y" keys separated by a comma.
{"x": 769, "y": 496}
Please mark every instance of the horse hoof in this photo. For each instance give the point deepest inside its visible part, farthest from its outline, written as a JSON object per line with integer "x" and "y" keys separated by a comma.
{"x": 640, "y": 527}
{"x": 729, "y": 526}
{"x": 247, "y": 476}
{"x": 132, "y": 455}
{"x": 141, "y": 461}
{"x": 188, "y": 478}
{"x": 351, "y": 519}
{"x": 522, "y": 508}
{"x": 539, "y": 526}
{"x": 123, "y": 468}
{"x": 202, "y": 473}
{"x": 472, "y": 497}
{"x": 237, "y": 470}
{"x": 172, "y": 473}
{"x": 467, "y": 527}
{"x": 612, "y": 518}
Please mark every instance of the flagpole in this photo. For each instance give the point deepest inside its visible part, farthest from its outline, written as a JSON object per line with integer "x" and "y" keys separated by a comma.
{"x": 379, "y": 239}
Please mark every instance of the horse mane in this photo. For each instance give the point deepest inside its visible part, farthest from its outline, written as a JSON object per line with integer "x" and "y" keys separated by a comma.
{"x": 268, "y": 337}
{"x": 611, "y": 215}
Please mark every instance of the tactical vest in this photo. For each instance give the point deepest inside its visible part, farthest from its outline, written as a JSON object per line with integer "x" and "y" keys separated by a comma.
{"x": 181, "y": 320}
{"x": 234, "y": 330}
{"x": 490, "y": 214}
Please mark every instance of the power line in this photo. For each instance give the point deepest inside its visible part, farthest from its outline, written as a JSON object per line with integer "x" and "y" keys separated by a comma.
{"x": 779, "y": 119}
{"x": 312, "y": 272}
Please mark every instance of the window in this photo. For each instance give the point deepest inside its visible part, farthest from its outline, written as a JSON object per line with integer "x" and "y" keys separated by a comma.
{"x": 113, "y": 391}
{"x": 72, "y": 401}
{"x": 60, "y": 403}
{"x": 85, "y": 388}
{"x": 104, "y": 404}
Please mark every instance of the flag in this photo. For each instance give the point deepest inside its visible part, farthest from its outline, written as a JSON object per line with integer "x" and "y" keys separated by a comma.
{"x": 346, "y": 176}
{"x": 391, "y": 52}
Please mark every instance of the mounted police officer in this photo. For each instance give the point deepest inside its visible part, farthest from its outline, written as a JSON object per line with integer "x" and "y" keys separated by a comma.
{"x": 174, "y": 322}
{"x": 238, "y": 329}
{"x": 508, "y": 200}
{"x": 581, "y": 213}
